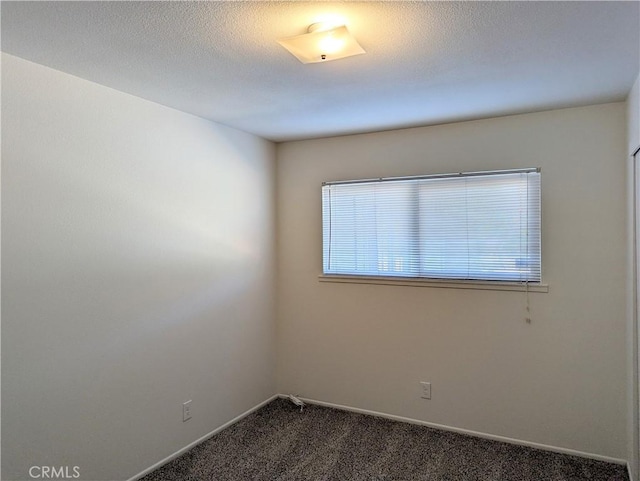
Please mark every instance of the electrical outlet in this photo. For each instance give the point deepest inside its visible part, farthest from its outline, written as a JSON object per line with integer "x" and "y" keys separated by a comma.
{"x": 426, "y": 390}
{"x": 186, "y": 411}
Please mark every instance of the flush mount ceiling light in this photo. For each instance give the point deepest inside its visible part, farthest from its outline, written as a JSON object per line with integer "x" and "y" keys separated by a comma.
{"x": 321, "y": 43}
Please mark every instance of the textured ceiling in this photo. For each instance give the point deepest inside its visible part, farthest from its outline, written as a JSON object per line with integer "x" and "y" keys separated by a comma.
{"x": 426, "y": 62}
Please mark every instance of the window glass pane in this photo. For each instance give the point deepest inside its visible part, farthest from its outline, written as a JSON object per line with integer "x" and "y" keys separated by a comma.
{"x": 465, "y": 227}
{"x": 368, "y": 229}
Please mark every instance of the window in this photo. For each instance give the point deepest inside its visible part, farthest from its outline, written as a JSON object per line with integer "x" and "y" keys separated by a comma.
{"x": 472, "y": 226}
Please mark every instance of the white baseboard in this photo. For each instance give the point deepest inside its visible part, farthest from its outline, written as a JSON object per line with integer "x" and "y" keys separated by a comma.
{"x": 629, "y": 473}
{"x": 477, "y": 434}
{"x": 201, "y": 440}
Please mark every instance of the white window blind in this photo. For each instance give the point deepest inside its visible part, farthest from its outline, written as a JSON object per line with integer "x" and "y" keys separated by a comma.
{"x": 475, "y": 226}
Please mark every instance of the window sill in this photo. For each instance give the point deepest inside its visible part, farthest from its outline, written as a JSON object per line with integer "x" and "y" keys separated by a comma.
{"x": 438, "y": 283}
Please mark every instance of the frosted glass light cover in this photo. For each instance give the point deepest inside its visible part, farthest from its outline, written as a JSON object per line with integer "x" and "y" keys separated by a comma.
{"x": 322, "y": 46}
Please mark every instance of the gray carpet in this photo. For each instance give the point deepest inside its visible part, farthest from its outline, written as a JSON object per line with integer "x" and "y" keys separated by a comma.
{"x": 279, "y": 443}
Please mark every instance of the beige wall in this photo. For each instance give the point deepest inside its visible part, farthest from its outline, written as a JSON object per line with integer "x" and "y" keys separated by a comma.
{"x": 138, "y": 260}
{"x": 560, "y": 381}
{"x": 633, "y": 138}
{"x": 633, "y": 117}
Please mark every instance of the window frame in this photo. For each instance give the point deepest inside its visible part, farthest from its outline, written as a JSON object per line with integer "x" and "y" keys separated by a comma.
{"x": 534, "y": 285}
